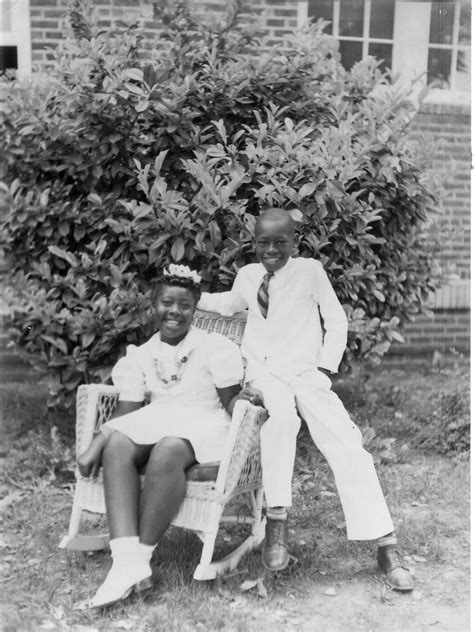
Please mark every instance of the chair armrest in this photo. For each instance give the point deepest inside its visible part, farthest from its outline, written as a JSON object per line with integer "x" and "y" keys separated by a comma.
{"x": 240, "y": 463}
{"x": 94, "y": 406}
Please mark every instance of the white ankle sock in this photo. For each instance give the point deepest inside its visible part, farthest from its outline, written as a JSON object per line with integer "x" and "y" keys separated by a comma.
{"x": 124, "y": 547}
{"x": 387, "y": 540}
{"x": 145, "y": 551}
{"x": 277, "y": 513}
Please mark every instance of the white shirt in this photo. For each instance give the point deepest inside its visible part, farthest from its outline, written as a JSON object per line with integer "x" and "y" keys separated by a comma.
{"x": 290, "y": 340}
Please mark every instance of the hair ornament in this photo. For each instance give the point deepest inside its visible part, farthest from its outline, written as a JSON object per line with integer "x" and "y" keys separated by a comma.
{"x": 183, "y": 272}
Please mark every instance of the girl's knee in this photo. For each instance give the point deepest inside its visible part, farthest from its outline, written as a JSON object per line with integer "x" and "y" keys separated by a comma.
{"x": 117, "y": 446}
{"x": 171, "y": 452}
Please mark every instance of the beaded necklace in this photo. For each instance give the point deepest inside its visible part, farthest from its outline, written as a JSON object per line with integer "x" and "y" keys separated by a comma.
{"x": 166, "y": 377}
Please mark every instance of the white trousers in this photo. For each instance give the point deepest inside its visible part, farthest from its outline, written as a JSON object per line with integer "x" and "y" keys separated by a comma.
{"x": 336, "y": 436}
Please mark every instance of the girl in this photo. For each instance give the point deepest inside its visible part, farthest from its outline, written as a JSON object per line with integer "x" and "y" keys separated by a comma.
{"x": 193, "y": 380}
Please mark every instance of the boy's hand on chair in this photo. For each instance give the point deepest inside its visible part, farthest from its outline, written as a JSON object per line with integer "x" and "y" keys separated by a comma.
{"x": 89, "y": 462}
{"x": 252, "y": 395}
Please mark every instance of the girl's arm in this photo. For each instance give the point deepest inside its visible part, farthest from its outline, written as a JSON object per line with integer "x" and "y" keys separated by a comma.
{"x": 125, "y": 407}
{"x": 89, "y": 462}
{"x": 231, "y": 394}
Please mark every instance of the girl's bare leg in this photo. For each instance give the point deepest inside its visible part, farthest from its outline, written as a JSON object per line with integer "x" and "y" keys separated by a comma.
{"x": 121, "y": 460}
{"x": 165, "y": 487}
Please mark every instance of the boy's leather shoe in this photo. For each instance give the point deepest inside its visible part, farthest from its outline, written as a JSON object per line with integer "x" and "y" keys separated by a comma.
{"x": 391, "y": 561}
{"x": 275, "y": 556}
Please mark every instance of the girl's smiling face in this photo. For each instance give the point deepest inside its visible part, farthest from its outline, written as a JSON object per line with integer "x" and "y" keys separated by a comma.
{"x": 174, "y": 313}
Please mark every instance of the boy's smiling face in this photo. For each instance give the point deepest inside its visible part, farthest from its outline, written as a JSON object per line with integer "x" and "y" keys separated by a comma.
{"x": 274, "y": 241}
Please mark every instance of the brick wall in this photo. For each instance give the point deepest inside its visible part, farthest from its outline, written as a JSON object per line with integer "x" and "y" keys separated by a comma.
{"x": 447, "y": 329}
{"x": 47, "y": 22}
{"x": 278, "y": 17}
{"x": 450, "y": 127}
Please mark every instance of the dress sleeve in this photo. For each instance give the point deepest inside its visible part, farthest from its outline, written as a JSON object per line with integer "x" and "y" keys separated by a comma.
{"x": 225, "y": 361}
{"x": 129, "y": 377}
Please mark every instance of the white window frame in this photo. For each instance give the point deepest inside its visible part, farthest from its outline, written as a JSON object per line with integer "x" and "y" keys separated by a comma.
{"x": 411, "y": 33}
{"x": 20, "y": 35}
{"x": 455, "y": 47}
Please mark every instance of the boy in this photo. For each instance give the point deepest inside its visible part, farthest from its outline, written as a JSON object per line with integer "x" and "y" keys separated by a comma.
{"x": 290, "y": 361}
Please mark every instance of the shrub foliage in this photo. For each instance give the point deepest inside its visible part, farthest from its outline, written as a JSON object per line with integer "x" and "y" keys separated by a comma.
{"x": 129, "y": 156}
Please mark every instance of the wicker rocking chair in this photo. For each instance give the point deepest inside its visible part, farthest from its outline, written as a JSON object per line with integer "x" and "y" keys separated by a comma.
{"x": 209, "y": 487}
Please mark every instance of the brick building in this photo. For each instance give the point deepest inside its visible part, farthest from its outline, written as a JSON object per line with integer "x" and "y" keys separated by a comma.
{"x": 426, "y": 43}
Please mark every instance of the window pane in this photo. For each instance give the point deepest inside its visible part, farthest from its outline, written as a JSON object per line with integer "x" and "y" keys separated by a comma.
{"x": 350, "y": 53}
{"x": 382, "y": 51}
{"x": 351, "y": 18}
{"x": 381, "y": 19}
{"x": 8, "y": 57}
{"x": 6, "y": 15}
{"x": 465, "y": 24}
{"x": 442, "y": 21}
{"x": 439, "y": 66}
{"x": 463, "y": 70}
{"x": 321, "y": 9}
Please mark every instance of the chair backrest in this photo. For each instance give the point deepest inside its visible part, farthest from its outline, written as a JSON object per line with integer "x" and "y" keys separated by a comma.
{"x": 230, "y": 326}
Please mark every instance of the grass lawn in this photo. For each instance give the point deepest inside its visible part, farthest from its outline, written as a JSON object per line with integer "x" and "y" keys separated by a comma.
{"x": 409, "y": 418}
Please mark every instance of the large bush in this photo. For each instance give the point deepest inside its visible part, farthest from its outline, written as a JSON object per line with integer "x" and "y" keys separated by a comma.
{"x": 129, "y": 156}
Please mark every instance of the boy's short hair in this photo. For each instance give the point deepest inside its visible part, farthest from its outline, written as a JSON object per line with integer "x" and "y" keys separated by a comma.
{"x": 274, "y": 213}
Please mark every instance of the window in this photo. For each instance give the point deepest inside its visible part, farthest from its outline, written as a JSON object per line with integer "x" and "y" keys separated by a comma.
{"x": 449, "y": 49}
{"x": 427, "y": 43}
{"x": 363, "y": 27}
{"x": 15, "y": 39}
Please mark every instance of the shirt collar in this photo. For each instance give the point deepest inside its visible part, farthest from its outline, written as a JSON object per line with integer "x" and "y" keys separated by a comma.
{"x": 280, "y": 271}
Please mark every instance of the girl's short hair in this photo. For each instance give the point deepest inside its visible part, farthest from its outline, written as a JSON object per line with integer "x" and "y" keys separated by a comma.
{"x": 176, "y": 281}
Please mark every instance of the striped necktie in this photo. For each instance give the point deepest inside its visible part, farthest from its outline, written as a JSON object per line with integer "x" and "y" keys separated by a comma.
{"x": 262, "y": 296}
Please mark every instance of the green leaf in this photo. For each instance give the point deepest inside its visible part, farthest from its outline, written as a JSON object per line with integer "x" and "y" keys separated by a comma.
{"x": 64, "y": 228}
{"x": 87, "y": 339}
{"x": 159, "y": 161}
{"x": 141, "y": 106}
{"x": 397, "y": 336}
{"x": 177, "y": 250}
{"x": 58, "y": 343}
{"x": 135, "y": 74}
{"x": 44, "y": 198}
{"x": 95, "y": 198}
{"x": 296, "y": 214}
{"x": 306, "y": 190}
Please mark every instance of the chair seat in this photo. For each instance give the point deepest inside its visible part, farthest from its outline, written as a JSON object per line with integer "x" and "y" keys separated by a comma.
{"x": 203, "y": 472}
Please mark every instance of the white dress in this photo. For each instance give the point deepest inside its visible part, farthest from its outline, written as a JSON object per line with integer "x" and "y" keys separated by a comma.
{"x": 181, "y": 383}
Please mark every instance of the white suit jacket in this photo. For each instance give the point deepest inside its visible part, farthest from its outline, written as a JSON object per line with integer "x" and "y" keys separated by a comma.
{"x": 290, "y": 340}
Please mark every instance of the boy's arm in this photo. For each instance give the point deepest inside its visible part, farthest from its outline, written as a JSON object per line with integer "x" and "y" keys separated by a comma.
{"x": 335, "y": 324}
{"x": 225, "y": 303}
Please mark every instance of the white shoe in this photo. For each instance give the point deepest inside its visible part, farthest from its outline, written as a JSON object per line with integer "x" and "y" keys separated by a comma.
{"x": 120, "y": 583}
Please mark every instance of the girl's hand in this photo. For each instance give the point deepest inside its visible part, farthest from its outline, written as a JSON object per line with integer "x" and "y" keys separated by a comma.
{"x": 89, "y": 462}
{"x": 252, "y": 395}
